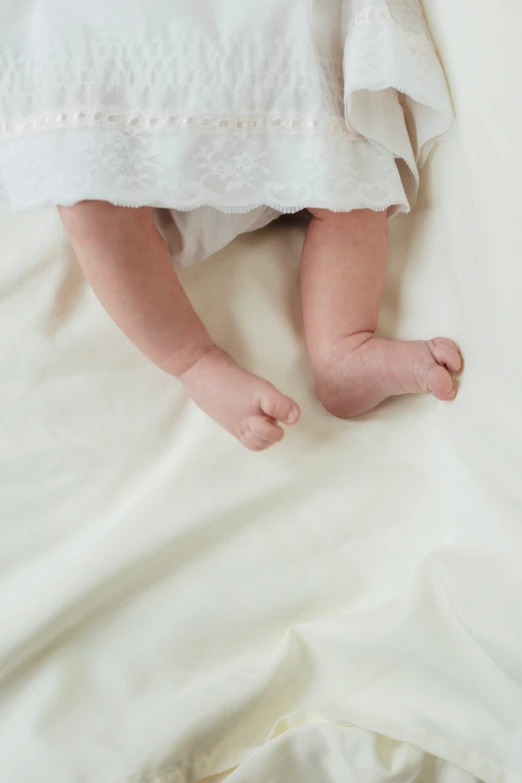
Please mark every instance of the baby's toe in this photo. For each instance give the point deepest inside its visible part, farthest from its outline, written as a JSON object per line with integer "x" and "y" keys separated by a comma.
{"x": 279, "y": 407}
{"x": 440, "y": 383}
{"x": 259, "y": 433}
{"x": 446, "y": 353}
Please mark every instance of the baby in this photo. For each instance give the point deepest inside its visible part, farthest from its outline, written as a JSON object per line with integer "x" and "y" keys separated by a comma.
{"x": 129, "y": 266}
{"x": 229, "y": 114}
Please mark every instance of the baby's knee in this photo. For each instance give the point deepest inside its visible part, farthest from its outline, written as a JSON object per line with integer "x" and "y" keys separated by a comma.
{"x": 87, "y": 209}
{"x": 324, "y": 214}
{"x": 84, "y": 217}
{"x": 328, "y": 214}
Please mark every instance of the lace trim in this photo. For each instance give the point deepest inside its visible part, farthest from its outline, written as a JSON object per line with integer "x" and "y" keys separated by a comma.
{"x": 414, "y": 32}
{"x": 394, "y": 205}
{"x": 231, "y": 172}
{"x": 139, "y": 122}
{"x": 371, "y": 17}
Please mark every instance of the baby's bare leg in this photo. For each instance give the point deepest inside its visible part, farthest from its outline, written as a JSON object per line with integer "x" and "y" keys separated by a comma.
{"x": 130, "y": 270}
{"x": 342, "y": 280}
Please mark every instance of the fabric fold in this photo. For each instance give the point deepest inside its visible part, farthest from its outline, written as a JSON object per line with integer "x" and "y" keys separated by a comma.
{"x": 395, "y": 90}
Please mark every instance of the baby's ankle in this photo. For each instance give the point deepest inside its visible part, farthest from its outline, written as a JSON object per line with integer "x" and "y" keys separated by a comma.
{"x": 183, "y": 361}
{"x": 208, "y": 361}
{"x": 327, "y": 353}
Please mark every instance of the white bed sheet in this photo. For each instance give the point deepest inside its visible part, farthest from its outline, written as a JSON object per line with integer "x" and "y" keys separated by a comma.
{"x": 345, "y": 607}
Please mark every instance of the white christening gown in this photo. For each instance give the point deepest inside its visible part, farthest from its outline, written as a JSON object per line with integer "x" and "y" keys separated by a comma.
{"x": 225, "y": 112}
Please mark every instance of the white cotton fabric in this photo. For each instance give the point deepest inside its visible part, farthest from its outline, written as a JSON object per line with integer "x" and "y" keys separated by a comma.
{"x": 238, "y": 105}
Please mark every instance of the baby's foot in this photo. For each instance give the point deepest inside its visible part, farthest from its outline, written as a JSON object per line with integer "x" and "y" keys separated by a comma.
{"x": 245, "y": 405}
{"x": 363, "y": 371}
